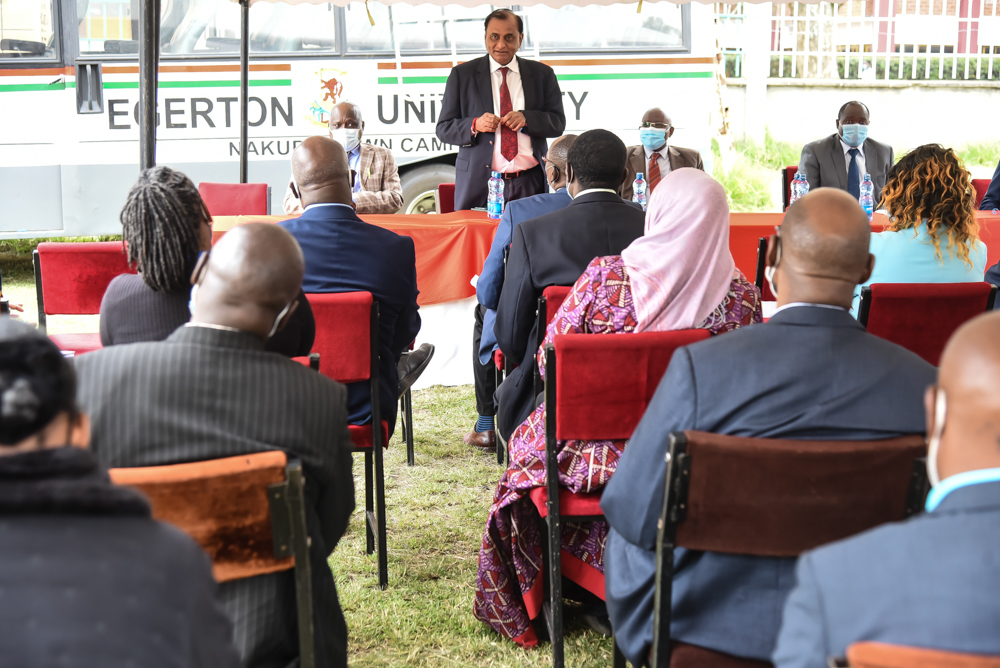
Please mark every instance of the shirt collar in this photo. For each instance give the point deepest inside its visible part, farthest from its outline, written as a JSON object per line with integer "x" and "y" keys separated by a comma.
{"x": 847, "y": 147}
{"x": 797, "y": 304}
{"x": 595, "y": 190}
{"x": 208, "y": 325}
{"x": 957, "y": 481}
{"x": 663, "y": 151}
{"x": 355, "y": 152}
{"x": 512, "y": 65}
{"x": 319, "y": 204}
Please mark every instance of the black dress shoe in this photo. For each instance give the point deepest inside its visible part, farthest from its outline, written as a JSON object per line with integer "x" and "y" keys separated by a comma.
{"x": 412, "y": 364}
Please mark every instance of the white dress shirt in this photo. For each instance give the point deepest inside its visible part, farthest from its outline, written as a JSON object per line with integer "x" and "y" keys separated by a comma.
{"x": 862, "y": 166}
{"x": 525, "y": 158}
{"x": 663, "y": 160}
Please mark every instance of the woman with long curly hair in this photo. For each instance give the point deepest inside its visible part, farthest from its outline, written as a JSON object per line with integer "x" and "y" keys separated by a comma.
{"x": 932, "y": 236}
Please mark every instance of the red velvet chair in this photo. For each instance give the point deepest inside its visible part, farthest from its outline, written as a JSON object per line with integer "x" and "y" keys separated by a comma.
{"x": 347, "y": 343}
{"x": 765, "y": 288}
{"x": 586, "y": 399}
{"x": 236, "y": 199}
{"x": 781, "y": 498}
{"x": 921, "y": 317}
{"x": 445, "y": 197}
{"x": 70, "y": 279}
{"x": 787, "y": 176}
{"x": 980, "y": 186}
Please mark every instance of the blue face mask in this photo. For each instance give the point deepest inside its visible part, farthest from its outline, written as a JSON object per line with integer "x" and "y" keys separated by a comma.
{"x": 854, "y": 134}
{"x": 652, "y": 138}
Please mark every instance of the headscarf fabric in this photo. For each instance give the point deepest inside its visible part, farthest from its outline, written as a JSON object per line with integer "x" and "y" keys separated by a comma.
{"x": 681, "y": 268}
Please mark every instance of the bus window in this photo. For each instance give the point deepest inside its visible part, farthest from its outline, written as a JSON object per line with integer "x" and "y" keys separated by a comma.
{"x": 200, "y": 27}
{"x": 362, "y": 36}
{"x": 418, "y": 28}
{"x": 658, "y": 26}
{"x": 27, "y": 29}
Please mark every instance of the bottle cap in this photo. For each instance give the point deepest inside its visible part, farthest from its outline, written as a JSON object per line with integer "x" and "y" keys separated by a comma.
{"x": 638, "y": 175}
{"x": 868, "y": 177}
{"x": 495, "y": 175}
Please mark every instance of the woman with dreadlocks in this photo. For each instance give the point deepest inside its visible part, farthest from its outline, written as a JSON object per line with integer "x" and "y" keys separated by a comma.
{"x": 165, "y": 225}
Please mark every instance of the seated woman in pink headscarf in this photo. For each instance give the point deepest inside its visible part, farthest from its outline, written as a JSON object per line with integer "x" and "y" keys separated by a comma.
{"x": 679, "y": 275}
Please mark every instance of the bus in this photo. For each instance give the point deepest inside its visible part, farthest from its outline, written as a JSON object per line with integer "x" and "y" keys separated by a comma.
{"x": 69, "y": 90}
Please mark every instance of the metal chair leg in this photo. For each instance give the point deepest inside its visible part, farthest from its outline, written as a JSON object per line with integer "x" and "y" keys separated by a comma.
{"x": 555, "y": 590}
{"x": 369, "y": 504}
{"x": 408, "y": 421}
{"x": 619, "y": 658}
{"x": 383, "y": 555}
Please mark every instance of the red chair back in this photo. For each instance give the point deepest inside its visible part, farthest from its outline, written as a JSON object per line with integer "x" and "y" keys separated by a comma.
{"x": 980, "y": 186}
{"x": 446, "y": 197}
{"x": 787, "y": 176}
{"x": 591, "y": 401}
{"x": 762, "y": 284}
{"x": 235, "y": 199}
{"x": 554, "y": 295}
{"x": 71, "y": 277}
{"x": 343, "y": 334}
{"x": 921, "y": 317}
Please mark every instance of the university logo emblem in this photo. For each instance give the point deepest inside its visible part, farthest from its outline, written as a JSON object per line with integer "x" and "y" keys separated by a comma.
{"x": 330, "y": 92}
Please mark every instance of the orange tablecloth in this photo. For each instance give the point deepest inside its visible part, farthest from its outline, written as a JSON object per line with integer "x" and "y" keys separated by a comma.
{"x": 450, "y": 248}
{"x": 746, "y": 228}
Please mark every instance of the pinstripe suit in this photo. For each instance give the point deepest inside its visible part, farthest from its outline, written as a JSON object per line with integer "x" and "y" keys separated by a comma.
{"x": 205, "y": 394}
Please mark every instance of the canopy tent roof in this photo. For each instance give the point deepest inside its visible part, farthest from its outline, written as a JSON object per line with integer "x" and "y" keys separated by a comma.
{"x": 522, "y": 3}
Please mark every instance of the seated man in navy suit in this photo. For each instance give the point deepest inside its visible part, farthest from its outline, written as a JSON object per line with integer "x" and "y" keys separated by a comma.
{"x": 488, "y": 286}
{"x": 991, "y": 200}
{"x": 811, "y": 372}
{"x": 923, "y": 582}
{"x": 345, "y": 254}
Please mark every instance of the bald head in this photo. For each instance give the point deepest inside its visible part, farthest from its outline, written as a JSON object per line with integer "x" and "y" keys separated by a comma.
{"x": 555, "y": 168}
{"x": 252, "y": 274}
{"x": 320, "y": 172}
{"x": 346, "y": 115}
{"x": 969, "y": 367}
{"x": 823, "y": 250}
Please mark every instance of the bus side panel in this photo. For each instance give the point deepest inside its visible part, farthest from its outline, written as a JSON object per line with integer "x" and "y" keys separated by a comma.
{"x": 31, "y": 198}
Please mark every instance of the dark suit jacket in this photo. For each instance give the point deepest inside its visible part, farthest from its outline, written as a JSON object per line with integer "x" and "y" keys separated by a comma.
{"x": 679, "y": 157}
{"x": 991, "y": 200}
{"x": 344, "y": 254}
{"x": 824, "y": 165}
{"x": 207, "y": 394}
{"x": 553, "y": 249}
{"x": 468, "y": 94}
{"x": 808, "y": 373}
{"x": 927, "y": 582}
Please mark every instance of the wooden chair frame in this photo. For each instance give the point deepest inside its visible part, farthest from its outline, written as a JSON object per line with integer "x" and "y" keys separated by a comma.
{"x": 674, "y": 513}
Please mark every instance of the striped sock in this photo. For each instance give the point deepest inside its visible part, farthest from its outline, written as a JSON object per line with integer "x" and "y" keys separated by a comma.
{"x": 485, "y": 423}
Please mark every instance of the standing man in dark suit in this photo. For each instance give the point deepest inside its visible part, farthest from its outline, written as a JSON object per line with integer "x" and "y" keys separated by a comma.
{"x": 923, "y": 582}
{"x": 842, "y": 159}
{"x": 490, "y": 282}
{"x": 209, "y": 391}
{"x": 498, "y": 110}
{"x": 343, "y": 254}
{"x": 654, "y": 158}
{"x": 554, "y": 249}
{"x": 810, "y": 372}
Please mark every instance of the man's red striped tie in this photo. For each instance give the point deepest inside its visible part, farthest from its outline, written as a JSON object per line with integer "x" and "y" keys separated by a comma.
{"x": 653, "y": 177}
{"x": 508, "y": 138}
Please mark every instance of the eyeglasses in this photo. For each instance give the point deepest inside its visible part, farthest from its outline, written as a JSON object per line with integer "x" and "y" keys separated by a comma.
{"x": 658, "y": 126}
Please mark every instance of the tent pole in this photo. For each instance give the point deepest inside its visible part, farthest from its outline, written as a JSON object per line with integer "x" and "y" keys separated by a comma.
{"x": 244, "y": 85}
{"x": 149, "y": 59}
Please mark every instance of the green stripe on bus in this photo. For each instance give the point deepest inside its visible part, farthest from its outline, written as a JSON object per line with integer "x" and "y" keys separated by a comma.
{"x": 17, "y": 88}
{"x": 21, "y": 88}
{"x": 122, "y": 84}
{"x": 635, "y": 75}
{"x": 388, "y": 80}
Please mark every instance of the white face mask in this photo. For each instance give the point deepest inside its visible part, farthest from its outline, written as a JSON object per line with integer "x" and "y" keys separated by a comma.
{"x": 194, "y": 291}
{"x": 769, "y": 276}
{"x": 934, "y": 443}
{"x": 277, "y": 321}
{"x": 347, "y": 138}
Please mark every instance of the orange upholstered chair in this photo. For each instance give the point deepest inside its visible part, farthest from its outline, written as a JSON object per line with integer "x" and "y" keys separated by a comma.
{"x": 236, "y": 199}
{"x": 70, "y": 279}
{"x": 921, "y": 317}
{"x": 248, "y": 514}
{"x": 884, "y": 655}
{"x": 980, "y": 186}
{"x": 586, "y": 400}
{"x": 445, "y": 197}
{"x": 782, "y": 498}
{"x": 347, "y": 343}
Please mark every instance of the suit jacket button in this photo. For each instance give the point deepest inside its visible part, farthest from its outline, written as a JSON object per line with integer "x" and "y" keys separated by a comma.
{"x": 491, "y": 143}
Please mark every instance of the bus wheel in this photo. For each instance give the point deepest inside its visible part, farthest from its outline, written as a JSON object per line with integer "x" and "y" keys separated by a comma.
{"x": 420, "y": 187}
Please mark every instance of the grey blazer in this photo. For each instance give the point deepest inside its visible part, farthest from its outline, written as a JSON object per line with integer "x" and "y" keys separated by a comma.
{"x": 679, "y": 157}
{"x": 206, "y": 394}
{"x": 825, "y": 167}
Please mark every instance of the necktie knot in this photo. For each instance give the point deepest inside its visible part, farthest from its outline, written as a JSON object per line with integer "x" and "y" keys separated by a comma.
{"x": 503, "y": 71}
{"x": 854, "y": 152}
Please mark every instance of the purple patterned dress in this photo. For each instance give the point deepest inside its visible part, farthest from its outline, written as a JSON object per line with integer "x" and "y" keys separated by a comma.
{"x": 509, "y": 583}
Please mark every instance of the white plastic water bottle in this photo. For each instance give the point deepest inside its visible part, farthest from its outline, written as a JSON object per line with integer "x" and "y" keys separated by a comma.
{"x": 866, "y": 200}
{"x": 494, "y": 205}
{"x": 639, "y": 190}
{"x": 799, "y": 188}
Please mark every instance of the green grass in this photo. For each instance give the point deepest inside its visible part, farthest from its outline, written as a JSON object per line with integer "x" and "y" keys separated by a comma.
{"x": 774, "y": 154}
{"x": 985, "y": 154}
{"x": 436, "y": 514}
{"x": 751, "y": 184}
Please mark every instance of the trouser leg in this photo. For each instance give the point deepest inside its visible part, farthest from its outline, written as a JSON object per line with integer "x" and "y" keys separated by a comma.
{"x": 484, "y": 374}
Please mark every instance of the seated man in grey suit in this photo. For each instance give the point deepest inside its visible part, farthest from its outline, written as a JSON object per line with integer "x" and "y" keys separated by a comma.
{"x": 209, "y": 391}
{"x": 924, "y": 582}
{"x": 842, "y": 159}
{"x": 655, "y": 157}
{"x": 811, "y": 372}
